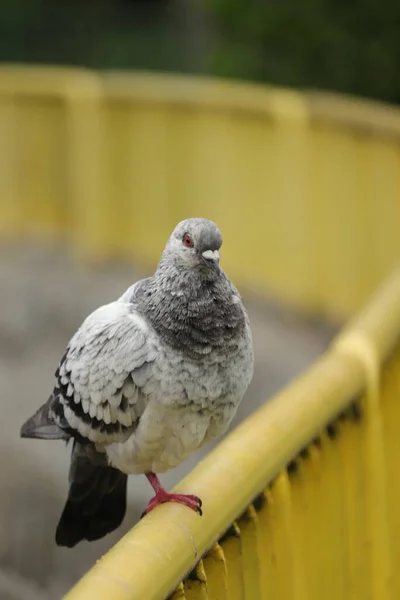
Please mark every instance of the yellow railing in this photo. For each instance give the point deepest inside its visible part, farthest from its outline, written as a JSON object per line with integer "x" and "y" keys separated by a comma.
{"x": 301, "y": 501}
{"x": 305, "y": 187}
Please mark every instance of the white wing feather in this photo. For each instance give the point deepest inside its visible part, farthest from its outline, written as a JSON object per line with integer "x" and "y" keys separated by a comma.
{"x": 107, "y": 362}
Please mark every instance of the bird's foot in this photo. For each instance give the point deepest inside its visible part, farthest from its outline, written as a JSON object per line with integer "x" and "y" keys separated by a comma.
{"x": 163, "y": 496}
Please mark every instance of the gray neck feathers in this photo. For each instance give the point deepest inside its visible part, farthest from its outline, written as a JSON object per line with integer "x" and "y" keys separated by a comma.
{"x": 192, "y": 311}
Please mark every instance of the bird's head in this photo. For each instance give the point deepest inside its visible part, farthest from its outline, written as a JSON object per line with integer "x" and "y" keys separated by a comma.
{"x": 195, "y": 243}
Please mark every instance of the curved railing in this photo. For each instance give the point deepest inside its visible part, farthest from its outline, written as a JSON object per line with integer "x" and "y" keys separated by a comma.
{"x": 305, "y": 186}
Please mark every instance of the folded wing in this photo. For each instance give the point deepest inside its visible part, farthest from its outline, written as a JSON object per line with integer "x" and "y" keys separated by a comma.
{"x": 98, "y": 395}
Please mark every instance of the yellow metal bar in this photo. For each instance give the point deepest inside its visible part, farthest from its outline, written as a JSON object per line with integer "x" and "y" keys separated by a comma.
{"x": 355, "y": 493}
{"x": 333, "y": 561}
{"x": 249, "y": 528}
{"x": 282, "y": 532}
{"x": 361, "y": 343}
{"x": 377, "y": 490}
{"x": 195, "y": 584}
{"x": 368, "y": 339}
{"x": 43, "y": 81}
{"x": 216, "y": 572}
{"x": 231, "y": 544}
{"x": 355, "y": 155}
{"x": 43, "y": 148}
{"x": 264, "y": 505}
{"x": 91, "y": 206}
{"x": 362, "y": 115}
{"x": 390, "y": 406}
{"x": 298, "y": 530}
{"x": 211, "y": 93}
{"x": 313, "y": 521}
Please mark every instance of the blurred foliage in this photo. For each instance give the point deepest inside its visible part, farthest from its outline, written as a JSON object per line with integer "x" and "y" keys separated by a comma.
{"x": 92, "y": 33}
{"x": 352, "y": 47}
{"x": 335, "y": 44}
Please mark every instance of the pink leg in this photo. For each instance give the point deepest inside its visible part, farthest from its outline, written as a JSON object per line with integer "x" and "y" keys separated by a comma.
{"x": 162, "y": 496}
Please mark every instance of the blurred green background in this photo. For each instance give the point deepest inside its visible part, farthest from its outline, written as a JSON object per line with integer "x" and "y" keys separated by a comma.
{"x": 351, "y": 47}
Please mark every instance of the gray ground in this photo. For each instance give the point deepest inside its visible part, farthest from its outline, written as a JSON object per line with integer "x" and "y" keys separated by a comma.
{"x": 44, "y": 296}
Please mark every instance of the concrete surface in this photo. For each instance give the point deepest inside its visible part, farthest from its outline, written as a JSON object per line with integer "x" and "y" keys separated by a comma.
{"x": 44, "y": 296}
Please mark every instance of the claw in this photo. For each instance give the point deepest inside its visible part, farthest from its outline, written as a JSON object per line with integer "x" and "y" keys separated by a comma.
{"x": 161, "y": 497}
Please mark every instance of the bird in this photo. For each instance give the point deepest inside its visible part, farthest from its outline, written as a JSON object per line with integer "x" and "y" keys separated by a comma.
{"x": 147, "y": 380}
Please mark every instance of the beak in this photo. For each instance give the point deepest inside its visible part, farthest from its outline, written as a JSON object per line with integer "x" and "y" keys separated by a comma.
{"x": 211, "y": 256}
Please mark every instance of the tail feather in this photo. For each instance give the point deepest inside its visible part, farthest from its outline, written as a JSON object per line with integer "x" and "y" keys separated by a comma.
{"x": 42, "y": 426}
{"x": 96, "y": 503}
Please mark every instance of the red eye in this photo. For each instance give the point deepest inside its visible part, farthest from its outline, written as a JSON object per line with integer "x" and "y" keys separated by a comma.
{"x": 187, "y": 240}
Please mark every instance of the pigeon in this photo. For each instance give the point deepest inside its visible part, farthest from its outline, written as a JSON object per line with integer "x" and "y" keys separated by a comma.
{"x": 147, "y": 380}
